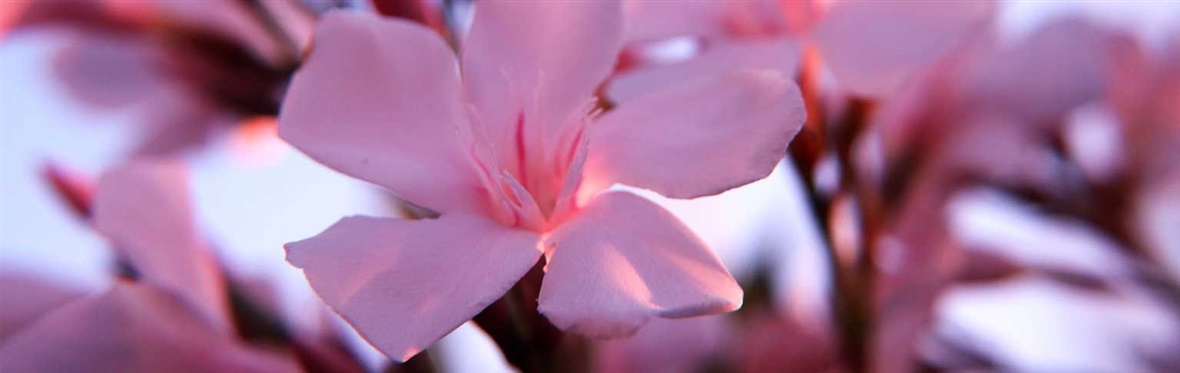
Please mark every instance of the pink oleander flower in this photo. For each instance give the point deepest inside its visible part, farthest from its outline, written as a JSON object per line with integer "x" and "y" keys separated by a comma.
{"x": 505, "y": 144}
{"x": 871, "y": 47}
{"x": 173, "y": 316}
{"x": 999, "y": 118}
{"x": 192, "y": 70}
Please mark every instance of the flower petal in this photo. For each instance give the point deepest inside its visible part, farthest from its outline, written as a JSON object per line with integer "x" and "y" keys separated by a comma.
{"x": 718, "y": 57}
{"x": 406, "y": 283}
{"x": 623, "y": 260}
{"x": 660, "y": 19}
{"x": 132, "y": 328}
{"x": 649, "y": 20}
{"x": 109, "y": 71}
{"x": 26, "y": 299}
{"x": 177, "y": 122}
{"x": 379, "y": 99}
{"x": 1064, "y": 64}
{"x": 544, "y": 58}
{"x": 143, "y": 208}
{"x": 699, "y": 138}
{"x": 873, "y": 46}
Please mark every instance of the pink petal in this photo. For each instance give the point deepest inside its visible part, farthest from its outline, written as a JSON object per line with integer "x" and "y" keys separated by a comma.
{"x": 717, "y": 57}
{"x": 109, "y": 71}
{"x": 177, "y": 123}
{"x": 699, "y": 138}
{"x": 873, "y": 46}
{"x": 24, "y": 299}
{"x": 113, "y": 71}
{"x": 132, "y": 328}
{"x": 539, "y": 59}
{"x": 1063, "y": 65}
{"x": 406, "y": 283}
{"x": 660, "y": 19}
{"x": 378, "y": 99}
{"x": 143, "y": 208}
{"x": 25, "y": 14}
{"x": 623, "y": 260}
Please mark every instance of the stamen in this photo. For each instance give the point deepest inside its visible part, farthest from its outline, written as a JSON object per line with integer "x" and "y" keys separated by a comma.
{"x": 528, "y": 211}
{"x": 521, "y": 154}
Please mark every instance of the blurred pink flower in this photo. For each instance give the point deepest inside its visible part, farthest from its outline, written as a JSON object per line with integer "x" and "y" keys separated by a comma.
{"x": 996, "y": 118}
{"x": 194, "y": 69}
{"x": 173, "y": 315}
{"x": 1010, "y": 93}
{"x": 131, "y": 328}
{"x": 23, "y": 300}
{"x": 143, "y": 208}
{"x": 872, "y": 47}
{"x": 989, "y": 115}
{"x": 507, "y": 148}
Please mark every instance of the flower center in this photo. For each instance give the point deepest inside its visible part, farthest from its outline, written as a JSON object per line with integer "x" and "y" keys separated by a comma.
{"x": 532, "y": 177}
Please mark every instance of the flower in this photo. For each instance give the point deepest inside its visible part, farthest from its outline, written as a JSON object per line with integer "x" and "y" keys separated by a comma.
{"x": 978, "y": 140}
{"x": 131, "y": 327}
{"x": 871, "y": 47}
{"x": 192, "y": 70}
{"x": 173, "y": 316}
{"x": 143, "y": 209}
{"x": 505, "y": 146}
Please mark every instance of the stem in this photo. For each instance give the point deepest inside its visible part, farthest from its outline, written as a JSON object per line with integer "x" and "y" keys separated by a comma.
{"x": 529, "y": 342}
{"x": 853, "y": 282}
{"x": 858, "y": 276}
